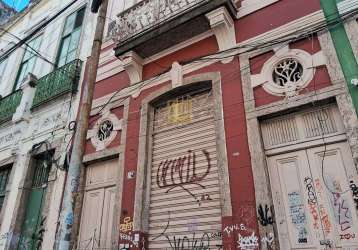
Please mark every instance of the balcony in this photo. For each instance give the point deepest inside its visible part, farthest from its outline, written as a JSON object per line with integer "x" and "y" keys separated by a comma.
{"x": 151, "y": 26}
{"x": 59, "y": 82}
{"x": 8, "y": 105}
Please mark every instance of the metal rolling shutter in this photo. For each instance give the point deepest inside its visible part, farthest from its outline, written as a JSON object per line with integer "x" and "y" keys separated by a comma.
{"x": 185, "y": 208}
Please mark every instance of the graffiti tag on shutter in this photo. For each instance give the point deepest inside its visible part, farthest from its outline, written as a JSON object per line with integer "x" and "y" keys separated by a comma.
{"x": 185, "y": 168}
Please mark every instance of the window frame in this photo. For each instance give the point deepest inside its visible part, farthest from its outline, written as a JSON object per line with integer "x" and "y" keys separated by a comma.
{"x": 7, "y": 171}
{"x": 17, "y": 83}
{"x": 62, "y": 36}
{"x": 3, "y": 66}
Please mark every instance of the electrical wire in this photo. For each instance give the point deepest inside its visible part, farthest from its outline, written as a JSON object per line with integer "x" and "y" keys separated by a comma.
{"x": 208, "y": 58}
{"x": 255, "y": 47}
{"x": 35, "y": 31}
{"x": 328, "y": 26}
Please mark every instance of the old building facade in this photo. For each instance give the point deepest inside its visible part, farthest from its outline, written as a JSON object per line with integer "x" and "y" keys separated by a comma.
{"x": 41, "y": 66}
{"x": 220, "y": 125}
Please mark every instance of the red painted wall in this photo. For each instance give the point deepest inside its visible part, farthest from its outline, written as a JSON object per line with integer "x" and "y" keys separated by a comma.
{"x": 274, "y": 16}
{"x": 116, "y": 142}
{"x": 320, "y": 80}
{"x": 239, "y": 162}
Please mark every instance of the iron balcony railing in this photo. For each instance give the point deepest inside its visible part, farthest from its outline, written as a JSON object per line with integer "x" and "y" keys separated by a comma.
{"x": 59, "y": 82}
{"x": 147, "y": 15}
{"x": 8, "y": 105}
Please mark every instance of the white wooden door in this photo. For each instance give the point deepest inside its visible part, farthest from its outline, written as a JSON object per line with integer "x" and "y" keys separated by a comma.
{"x": 106, "y": 226}
{"x": 91, "y": 217}
{"x": 313, "y": 202}
{"x": 98, "y": 206}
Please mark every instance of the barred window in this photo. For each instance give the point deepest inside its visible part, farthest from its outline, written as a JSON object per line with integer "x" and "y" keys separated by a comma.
{"x": 4, "y": 177}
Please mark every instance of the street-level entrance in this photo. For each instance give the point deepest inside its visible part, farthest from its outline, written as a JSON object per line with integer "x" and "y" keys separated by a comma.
{"x": 185, "y": 210}
{"x": 311, "y": 174}
{"x": 98, "y": 204}
{"x": 312, "y": 196}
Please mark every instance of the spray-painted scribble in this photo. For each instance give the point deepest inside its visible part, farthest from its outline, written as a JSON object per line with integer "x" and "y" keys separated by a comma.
{"x": 315, "y": 216}
{"x": 165, "y": 229}
{"x": 181, "y": 172}
{"x": 193, "y": 240}
{"x": 215, "y": 236}
{"x": 347, "y": 236}
{"x": 312, "y": 199}
{"x": 4, "y": 237}
{"x": 354, "y": 189}
{"x": 127, "y": 225}
{"x": 133, "y": 240}
{"x": 248, "y": 242}
{"x": 326, "y": 223}
{"x": 341, "y": 209}
{"x": 297, "y": 214}
{"x": 189, "y": 242}
{"x": 268, "y": 241}
{"x": 205, "y": 197}
{"x": 265, "y": 215}
{"x": 233, "y": 228}
{"x": 69, "y": 219}
{"x": 75, "y": 182}
{"x": 342, "y": 212}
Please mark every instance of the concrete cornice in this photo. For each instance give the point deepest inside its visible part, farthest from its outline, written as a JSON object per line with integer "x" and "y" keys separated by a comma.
{"x": 287, "y": 29}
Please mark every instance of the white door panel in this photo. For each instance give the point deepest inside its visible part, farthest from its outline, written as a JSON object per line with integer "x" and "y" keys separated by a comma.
{"x": 91, "y": 217}
{"x": 107, "y": 218}
{"x": 313, "y": 212}
{"x": 332, "y": 181}
{"x": 98, "y": 206}
{"x": 295, "y": 225}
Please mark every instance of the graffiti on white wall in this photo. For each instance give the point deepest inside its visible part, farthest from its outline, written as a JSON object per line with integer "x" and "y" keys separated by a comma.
{"x": 354, "y": 190}
{"x": 326, "y": 222}
{"x": 268, "y": 241}
{"x": 265, "y": 215}
{"x": 297, "y": 214}
{"x": 342, "y": 211}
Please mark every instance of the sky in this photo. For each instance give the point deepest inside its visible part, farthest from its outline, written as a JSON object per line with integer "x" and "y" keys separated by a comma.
{"x": 17, "y": 4}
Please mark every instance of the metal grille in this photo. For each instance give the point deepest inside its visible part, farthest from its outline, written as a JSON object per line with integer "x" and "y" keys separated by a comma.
{"x": 185, "y": 208}
{"x": 57, "y": 83}
{"x": 4, "y": 177}
{"x": 319, "y": 122}
{"x": 280, "y": 131}
{"x": 8, "y": 105}
{"x": 301, "y": 126}
{"x": 41, "y": 172}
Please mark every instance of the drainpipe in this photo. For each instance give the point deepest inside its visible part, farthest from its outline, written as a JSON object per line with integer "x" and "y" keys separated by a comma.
{"x": 343, "y": 48}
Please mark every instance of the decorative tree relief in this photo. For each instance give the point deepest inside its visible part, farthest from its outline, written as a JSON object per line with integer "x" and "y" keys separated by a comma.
{"x": 105, "y": 130}
{"x": 287, "y": 74}
{"x": 288, "y": 71}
